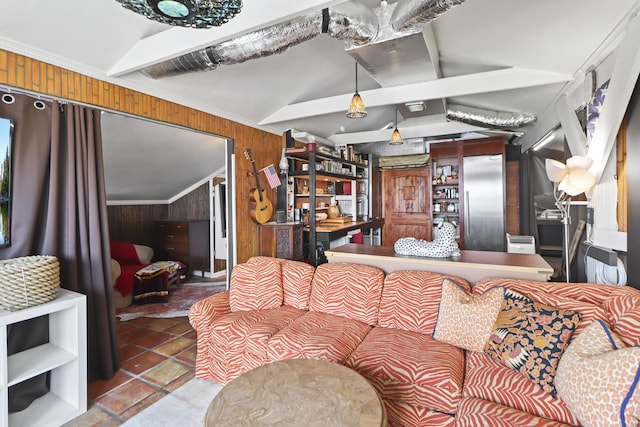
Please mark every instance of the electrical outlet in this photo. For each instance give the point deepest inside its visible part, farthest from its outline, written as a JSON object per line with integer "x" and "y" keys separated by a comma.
{"x": 590, "y": 216}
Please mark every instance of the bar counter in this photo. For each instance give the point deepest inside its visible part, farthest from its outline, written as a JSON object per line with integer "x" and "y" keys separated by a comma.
{"x": 471, "y": 265}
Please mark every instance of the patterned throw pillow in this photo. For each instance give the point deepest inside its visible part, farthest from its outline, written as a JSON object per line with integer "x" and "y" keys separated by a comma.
{"x": 256, "y": 286}
{"x": 530, "y": 337}
{"x": 598, "y": 378}
{"x": 466, "y": 320}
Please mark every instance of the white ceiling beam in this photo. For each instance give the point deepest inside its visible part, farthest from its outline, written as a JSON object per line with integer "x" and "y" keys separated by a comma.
{"x": 178, "y": 41}
{"x": 434, "y": 125}
{"x": 625, "y": 73}
{"x": 490, "y": 81}
{"x": 571, "y": 126}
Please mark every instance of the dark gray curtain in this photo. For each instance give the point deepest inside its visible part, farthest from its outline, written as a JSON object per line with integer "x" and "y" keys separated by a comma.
{"x": 528, "y": 224}
{"x": 59, "y": 208}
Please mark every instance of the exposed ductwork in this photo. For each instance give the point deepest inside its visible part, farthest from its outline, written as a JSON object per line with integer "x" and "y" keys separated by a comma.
{"x": 416, "y": 13}
{"x": 489, "y": 118}
{"x": 354, "y": 28}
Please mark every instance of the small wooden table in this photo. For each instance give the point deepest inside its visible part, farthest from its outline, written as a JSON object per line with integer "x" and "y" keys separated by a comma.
{"x": 471, "y": 265}
{"x": 297, "y": 392}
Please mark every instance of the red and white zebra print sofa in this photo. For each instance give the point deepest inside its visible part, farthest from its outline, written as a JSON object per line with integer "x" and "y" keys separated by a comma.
{"x": 382, "y": 327}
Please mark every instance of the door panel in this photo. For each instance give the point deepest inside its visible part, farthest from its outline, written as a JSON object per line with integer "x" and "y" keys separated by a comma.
{"x": 405, "y": 204}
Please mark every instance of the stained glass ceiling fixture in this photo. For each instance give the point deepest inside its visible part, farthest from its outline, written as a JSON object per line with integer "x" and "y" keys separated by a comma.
{"x": 186, "y": 13}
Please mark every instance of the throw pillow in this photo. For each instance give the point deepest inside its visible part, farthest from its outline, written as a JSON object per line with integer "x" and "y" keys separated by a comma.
{"x": 256, "y": 286}
{"x": 530, "y": 337}
{"x": 598, "y": 378}
{"x": 466, "y": 320}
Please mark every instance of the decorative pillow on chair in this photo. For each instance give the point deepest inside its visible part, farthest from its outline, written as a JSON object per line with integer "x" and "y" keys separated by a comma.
{"x": 530, "y": 337}
{"x": 466, "y": 320}
{"x": 598, "y": 378}
{"x": 256, "y": 286}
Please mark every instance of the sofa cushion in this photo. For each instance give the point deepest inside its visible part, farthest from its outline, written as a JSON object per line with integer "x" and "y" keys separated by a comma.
{"x": 348, "y": 290}
{"x": 624, "y": 315}
{"x": 411, "y": 367}
{"x": 256, "y": 286}
{"x": 296, "y": 280}
{"x": 317, "y": 335}
{"x": 530, "y": 337}
{"x": 410, "y": 300}
{"x": 598, "y": 378}
{"x": 400, "y": 414}
{"x": 474, "y": 412}
{"x": 466, "y": 320}
{"x": 489, "y": 380}
{"x": 250, "y": 331}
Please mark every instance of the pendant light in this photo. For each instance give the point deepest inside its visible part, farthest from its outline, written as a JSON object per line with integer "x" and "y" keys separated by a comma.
{"x": 396, "y": 138}
{"x": 186, "y": 13}
{"x": 356, "y": 108}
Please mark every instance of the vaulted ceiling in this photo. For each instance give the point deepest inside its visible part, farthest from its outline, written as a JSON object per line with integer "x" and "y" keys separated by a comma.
{"x": 500, "y": 56}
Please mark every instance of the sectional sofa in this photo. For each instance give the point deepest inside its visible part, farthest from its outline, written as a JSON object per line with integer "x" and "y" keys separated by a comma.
{"x": 438, "y": 351}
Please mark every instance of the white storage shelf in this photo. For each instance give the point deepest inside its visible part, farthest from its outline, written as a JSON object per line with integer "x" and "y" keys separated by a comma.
{"x": 65, "y": 356}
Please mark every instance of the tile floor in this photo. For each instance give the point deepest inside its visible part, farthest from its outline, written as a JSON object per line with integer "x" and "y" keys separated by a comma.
{"x": 156, "y": 357}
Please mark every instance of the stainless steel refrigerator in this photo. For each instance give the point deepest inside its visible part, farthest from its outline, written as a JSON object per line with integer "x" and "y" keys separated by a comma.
{"x": 484, "y": 203}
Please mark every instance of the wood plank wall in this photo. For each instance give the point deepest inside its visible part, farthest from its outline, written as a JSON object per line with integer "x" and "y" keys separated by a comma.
{"x": 36, "y": 76}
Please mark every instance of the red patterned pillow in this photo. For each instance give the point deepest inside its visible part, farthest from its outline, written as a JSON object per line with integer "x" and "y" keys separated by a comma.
{"x": 466, "y": 320}
{"x": 598, "y": 378}
{"x": 256, "y": 286}
{"x": 530, "y": 337}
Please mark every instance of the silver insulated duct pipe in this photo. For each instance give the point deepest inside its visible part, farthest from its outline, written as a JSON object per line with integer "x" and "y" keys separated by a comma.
{"x": 415, "y": 13}
{"x": 358, "y": 29}
{"x": 489, "y": 118}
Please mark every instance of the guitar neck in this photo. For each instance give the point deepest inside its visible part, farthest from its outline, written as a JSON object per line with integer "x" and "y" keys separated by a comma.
{"x": 255, "y": 173}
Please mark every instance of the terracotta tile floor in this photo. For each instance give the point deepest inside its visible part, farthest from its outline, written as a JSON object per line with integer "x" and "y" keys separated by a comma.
{"x": 156, "y": 357}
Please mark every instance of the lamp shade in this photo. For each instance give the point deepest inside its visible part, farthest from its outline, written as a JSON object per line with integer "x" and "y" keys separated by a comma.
{"x": 556, "y": 170}
{"x": 356, "y": 108}
{"x": 579, "y": 162}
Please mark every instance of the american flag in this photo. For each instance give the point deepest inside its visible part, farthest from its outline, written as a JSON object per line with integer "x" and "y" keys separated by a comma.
{"x": 272, "y": 176}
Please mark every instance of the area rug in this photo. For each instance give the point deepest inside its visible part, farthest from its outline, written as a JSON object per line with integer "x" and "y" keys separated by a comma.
{"x": 185, "y": 407}
{"x": 180, "y": 301}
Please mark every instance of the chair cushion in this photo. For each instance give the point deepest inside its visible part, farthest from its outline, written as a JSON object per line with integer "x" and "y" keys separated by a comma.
{"x": 400, "y": 414}
{"x": 316, "y": 335}
{"x": 410, "y": 300}
{"x": 256, "y": 286}
{"x": 530, "y": 337}
{"x": 598, "y": 378}
{"x": 125, "y": 253}
{"x": 349, "y": 290}
{"x": 466, "y": 320}
{"x": 411, "y": 367}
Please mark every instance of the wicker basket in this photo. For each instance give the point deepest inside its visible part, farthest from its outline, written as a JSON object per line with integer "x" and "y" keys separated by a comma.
{"x": 28, "y": 281}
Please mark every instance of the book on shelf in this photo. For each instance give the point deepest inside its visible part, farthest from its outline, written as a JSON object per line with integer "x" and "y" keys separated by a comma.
{"x": 295, "y": 150}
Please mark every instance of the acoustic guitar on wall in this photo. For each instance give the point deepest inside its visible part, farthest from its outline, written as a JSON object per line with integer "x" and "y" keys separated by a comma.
{"x": 263, "y": 209}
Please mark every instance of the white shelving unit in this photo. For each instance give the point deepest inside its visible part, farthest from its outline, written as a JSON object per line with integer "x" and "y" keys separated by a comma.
{"x": 65, "y": 356}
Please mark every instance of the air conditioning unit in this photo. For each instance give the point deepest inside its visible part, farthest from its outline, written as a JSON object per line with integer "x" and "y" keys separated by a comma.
{"x": 521, "y": 244}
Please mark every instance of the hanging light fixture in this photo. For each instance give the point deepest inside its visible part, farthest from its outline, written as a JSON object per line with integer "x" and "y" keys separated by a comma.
{"x": 356, "y": 108}
{"x": 186, "y": 13}
{"x": 396, "y": 138}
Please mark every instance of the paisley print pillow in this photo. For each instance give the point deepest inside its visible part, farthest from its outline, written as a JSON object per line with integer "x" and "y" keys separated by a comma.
{"x": 530, "y": 337}
{"x": 598, "y": 378}
{"x": 465, "y": 320}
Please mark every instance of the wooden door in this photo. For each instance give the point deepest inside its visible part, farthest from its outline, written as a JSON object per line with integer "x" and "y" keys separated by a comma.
{"x": 406, "y": 204}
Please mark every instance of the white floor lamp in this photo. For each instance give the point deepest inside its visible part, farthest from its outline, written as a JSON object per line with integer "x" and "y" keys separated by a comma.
{"x": 569, "y": 180}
